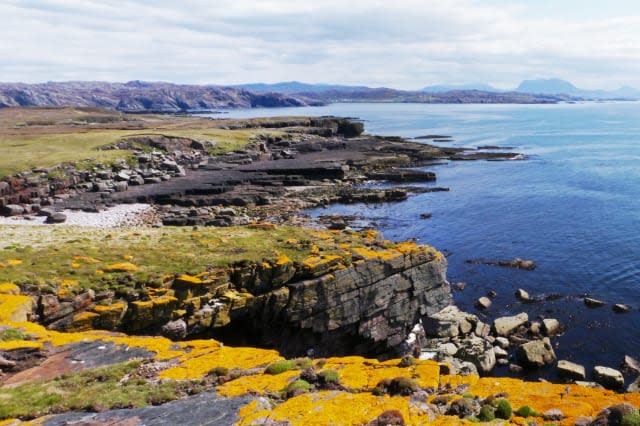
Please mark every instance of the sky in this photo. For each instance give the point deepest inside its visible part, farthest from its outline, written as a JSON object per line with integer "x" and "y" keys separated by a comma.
{"x": 405, "y": 44}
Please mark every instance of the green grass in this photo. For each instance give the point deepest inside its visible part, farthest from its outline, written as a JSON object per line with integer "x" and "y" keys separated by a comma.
{"x": 48, "y": 254}
{"x": 9, "y": 334}
{"x": 94, "y": 390}
{"x": 19, "y": 153}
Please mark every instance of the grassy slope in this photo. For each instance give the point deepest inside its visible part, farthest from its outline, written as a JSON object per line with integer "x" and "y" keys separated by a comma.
{"x": 47, "y": 137}
{"x": 49, "y": 255}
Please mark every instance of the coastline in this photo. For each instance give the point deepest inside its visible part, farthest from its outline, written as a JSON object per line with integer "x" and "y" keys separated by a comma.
{"x": 260, "y": 201}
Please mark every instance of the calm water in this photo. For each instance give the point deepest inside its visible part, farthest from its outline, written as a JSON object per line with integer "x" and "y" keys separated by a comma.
{"x": 573, "y": 207}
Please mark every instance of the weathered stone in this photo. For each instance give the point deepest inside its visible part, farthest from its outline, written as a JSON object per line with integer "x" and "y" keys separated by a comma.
{"x": 505, "y": 326}
{"x": 479, "y": 352}
{"x": 630, "y": 365}
{"x": 500, "y": 353}
{"x": 12, "y": 210}
{"x": 621, "y": 308}
{"x": 522, "y": 295}
{"x": 503, "y": 342}
{"x": 536, "y": 354}
{"x": 553, "y": 415}
{"x": 57, "y": 218}
{"x": 612, "y": 416}
{"x": 550, "y": 326}
{"x": 483, "y": 303}
{"x": 570, "y": 370}
{"x": 175, "y": 330}
{"x": 608, "y": 377}
{"x": 593, "y": 303}
{"x": 634, "y": 386}
{"x": 482, "y": 329}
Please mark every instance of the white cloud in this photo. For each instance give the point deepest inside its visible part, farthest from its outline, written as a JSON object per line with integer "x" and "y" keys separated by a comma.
{"x": 404, "y": 43}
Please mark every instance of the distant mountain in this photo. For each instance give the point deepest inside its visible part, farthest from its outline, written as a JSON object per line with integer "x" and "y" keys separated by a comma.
{"x": 296, "y": 87}
{"x": 558, "y": 86}
{"x": 138, "y": 96}
{"x": 448, "y": 88}
{"x": 551, "y": 85}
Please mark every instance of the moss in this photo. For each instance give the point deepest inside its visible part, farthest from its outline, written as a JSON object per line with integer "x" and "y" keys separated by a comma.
{"x": 631, "y": 419}
{"x": 219, "y": 371}
{"x": 302, "y": 363}
{"x": 297, "y": 387}
{"x": 407, "y": 361}
{"x": 486, "y": 414}
{"x": 526, "y": 411}
{"x": 329, "y": 377}
{"x": 11, "y": 334}
{"x": 279, "y": 367}
{"x": 503, "y": 409}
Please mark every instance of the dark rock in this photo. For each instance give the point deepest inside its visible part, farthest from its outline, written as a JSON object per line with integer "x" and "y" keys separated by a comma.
{"x": 12, "y": 210}
{"x": 612, "y": 416}
{"x": 56, "y": 218}
{"x": 388, "y": 418}
{"x": 464, "y": 407}
{"x": 515, "y": 369}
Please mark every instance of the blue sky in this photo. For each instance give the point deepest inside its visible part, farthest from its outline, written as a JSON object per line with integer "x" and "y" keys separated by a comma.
{"x": 404, "y": 43}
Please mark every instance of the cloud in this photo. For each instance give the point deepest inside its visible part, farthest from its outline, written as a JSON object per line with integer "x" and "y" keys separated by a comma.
{"x": 405, "y": 43}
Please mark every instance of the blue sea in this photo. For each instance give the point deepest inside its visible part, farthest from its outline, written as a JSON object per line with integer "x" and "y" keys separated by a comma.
{"x": 573, "y": 207}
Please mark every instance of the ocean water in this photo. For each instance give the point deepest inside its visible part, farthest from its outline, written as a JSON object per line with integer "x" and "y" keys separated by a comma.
{"x": 573, "y": 207}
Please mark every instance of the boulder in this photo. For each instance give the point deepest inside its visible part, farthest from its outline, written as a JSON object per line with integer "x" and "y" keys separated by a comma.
{"x": 613, "y": 415}
{"x": 593, "y": 303}
{"x": 570, "y": 370}
{"x": 505, "y": 326}
{"x": 630, "y": 365}
{"x": 536, "y": 354}
{"x": 608, "y": 377}
{"x": 482, "y": 329}
{"x": 479, "y": 352}
{"x": 550, "y": 326}
{"x": 522, "y": 295}
{"x": 12, "y": 210}
{"x": 57, "y": 217}
{"x": 483, "y": 303}
{"x": 449, "y": 322}
{"x": 500, "y": 353}
{"x": 503, "y": 342}
{"x": 621, "y": 308}
{"x": 635, "y": 386}
{"x": 175, "y": 330}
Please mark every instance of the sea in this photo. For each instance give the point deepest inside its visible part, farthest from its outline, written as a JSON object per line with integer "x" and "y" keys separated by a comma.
{"x": 572, "y": 206}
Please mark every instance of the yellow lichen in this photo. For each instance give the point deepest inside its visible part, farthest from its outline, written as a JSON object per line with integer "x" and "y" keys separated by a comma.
{"x": 257, "y": 384}
{"x": 85, "y": 259}
{"x": 9, "y": 288}
{"x": 20, "y": 344}
{"x": 120, "y": 267}
{"x": 188, "y": 280}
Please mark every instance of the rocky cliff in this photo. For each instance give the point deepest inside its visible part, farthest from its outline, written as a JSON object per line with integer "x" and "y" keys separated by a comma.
{"x": 365, "y": 301}
{"x": 139, "y": 96}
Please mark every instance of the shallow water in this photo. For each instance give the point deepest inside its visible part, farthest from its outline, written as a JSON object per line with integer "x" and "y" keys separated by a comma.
{"x": 573, "y": 207}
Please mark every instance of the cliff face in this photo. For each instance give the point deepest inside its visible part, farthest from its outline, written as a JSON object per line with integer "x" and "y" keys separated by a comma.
{"x": 139, "y": 96}
{"x": 368, "y": 308}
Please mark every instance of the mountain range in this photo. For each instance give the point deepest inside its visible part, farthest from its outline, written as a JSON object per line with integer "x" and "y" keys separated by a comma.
{"x": 547, "y": 86}
{"x": 139, "y": 96}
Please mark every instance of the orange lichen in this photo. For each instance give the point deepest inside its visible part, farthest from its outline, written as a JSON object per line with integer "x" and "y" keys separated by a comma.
{"x": 313, "y": 262}
{"x": 120, "y": 267}
{"x": 257, "y": 384}
{"x": 369, "y": 253}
